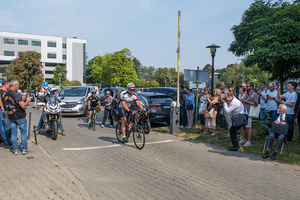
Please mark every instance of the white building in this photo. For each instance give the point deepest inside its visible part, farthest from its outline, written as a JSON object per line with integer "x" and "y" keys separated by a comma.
{"x": 68, "y": 52}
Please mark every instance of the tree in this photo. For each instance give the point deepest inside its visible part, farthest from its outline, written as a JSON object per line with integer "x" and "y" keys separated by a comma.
{"x": 27, "y": 69}
{"x": 59, "y": 70}
{"x": 162, "y": 76}
{"x": 97, "y": 67}
{"x": 208, "y": 68}
{"x": 137, "y": 66}
{"x": 70, "y": 83}
{"x": 269, "y": 35}
{"x": 88, "y": 71}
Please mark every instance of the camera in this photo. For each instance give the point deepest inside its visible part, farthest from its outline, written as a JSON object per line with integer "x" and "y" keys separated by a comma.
{"x": 221, "y": 99}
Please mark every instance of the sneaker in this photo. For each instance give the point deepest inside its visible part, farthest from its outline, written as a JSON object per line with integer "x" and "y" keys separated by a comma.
{"x": 266, "y": 155}
{"x": 63, "y": 133}
{"x": 16, "y": 152}
{"x": 25, "y": 151}
{"x": 181, "y": 126}
{"x": 274, "y": 156}
{"x": 242, "y": 141}
{"x": 248, "y": 144}
{"x": 90, "y": 124}
{"x": 38, "y": 131}
{"x": 125, "y": 139}
{"x": 188, "y": 127}
{"x": 96, "y": 116}
{"x": 102, "y": 126}
{"x": 111, "y": 126}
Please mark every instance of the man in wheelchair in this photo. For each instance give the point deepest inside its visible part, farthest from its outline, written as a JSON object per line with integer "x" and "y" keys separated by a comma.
{"x": 281, "y": 118}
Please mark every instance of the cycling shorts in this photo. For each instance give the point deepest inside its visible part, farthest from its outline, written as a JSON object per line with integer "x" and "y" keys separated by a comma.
{"x": 123, "y": 113}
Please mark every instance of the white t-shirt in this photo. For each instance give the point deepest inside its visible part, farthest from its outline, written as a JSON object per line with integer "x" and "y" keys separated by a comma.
{"x": 290, "y": 98}
{"x": 271, "y": 104}
{"x": 261, "y": 100}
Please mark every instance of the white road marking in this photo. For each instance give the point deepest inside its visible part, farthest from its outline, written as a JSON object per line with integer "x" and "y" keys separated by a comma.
{"x": 114, "y": 145}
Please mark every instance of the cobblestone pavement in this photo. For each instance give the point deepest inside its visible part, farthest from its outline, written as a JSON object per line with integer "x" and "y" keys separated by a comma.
{"x": 180, "y": 169}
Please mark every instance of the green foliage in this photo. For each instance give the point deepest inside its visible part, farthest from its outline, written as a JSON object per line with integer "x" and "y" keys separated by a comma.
{"x": 137, "y": 66}
{"x": 162, "y": 76}
{"x": 70, "y": 83}
{"x": 269, "y": 35}
{"x": 27, "y": 69}
{"x": 88, "y": 71}
{"x": 59, "y": 70}
{"x": 115, "y": 68}
{"x": 146, "y": 84}
{"x": 146, "y": 73}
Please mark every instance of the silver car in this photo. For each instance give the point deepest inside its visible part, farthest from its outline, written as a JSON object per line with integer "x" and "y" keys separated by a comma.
{"x": 74, "y": 97}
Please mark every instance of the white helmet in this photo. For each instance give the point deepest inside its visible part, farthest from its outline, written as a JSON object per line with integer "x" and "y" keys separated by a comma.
{"x": 130, "y": 85}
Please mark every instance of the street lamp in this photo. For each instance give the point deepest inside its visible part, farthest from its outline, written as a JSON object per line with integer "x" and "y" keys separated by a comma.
{"x": 213, "y": 50}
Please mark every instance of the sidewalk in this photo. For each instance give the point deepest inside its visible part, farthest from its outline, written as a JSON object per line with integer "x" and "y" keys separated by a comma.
{"x": 36, "y": 176}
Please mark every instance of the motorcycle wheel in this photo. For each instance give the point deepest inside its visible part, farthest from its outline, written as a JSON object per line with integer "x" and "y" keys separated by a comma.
{"x": 54, "y": 130}
{"x": 147, "y": 127}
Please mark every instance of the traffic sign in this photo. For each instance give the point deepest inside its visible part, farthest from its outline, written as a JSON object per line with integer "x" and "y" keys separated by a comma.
{"x": 192, "y": 75}
{"x": 45, "y": 84}
{"x": 208, "y": 83}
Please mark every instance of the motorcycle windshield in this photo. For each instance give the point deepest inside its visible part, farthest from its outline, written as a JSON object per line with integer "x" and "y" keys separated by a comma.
{"x": 52, "y": 101}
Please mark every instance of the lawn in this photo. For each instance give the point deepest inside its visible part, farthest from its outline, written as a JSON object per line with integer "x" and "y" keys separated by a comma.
{"x": 257, "y": 140}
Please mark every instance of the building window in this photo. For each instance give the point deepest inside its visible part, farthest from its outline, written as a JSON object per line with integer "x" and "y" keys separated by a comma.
{"x": 51, "y": 44}
{"x": 49, "y": 72}
{"x": 50, "y": 81}
{"x": 9, "y": 53}
{"x": 64, "y": 57}
{"x": 9, "y": 41}
{"x": 22, "y": 42}
{"x": 51, "y": 55}
{"x": 64, "y": 45}
{"x": 36, "y": 43}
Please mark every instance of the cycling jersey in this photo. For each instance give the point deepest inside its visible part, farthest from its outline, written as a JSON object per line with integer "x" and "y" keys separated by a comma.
{"x": 94, "y": 100}
{"x": 129, "y": 99}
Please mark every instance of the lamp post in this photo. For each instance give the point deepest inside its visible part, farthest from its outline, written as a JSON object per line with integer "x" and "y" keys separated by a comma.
{"x": 59, "y": 79}
{"x": 213, "y": 50}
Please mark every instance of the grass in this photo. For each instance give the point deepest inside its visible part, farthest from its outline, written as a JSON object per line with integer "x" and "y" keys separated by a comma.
{"x": 257, "y": 141}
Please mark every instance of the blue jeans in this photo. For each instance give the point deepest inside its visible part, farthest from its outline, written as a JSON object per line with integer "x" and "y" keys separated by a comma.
{"x": 263, "y": 116}
{"x": 7, "y": 126}
{"x": 182, "y": 116}
{"x": 23, "y": 129}
{"x": 202, "y": 119}
{"x": 42, "y": 121}
{"x": 2, "y": 128}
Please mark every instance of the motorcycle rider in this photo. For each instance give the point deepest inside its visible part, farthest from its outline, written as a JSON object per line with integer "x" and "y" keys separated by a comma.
{"x": 127, "y": 98}
{"x": 45, "y": 100}
{"x": 93, "y": 101}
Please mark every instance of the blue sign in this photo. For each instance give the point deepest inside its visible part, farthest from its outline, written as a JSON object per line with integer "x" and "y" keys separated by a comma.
{"x": 208, "y": 83}
{"x": 45, "y": 84}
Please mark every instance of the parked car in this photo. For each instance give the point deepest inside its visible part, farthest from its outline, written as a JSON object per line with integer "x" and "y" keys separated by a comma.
{"x": 102, "y": 94}
{"x": 74, "y": 97}
{"x": 159, "y": 104}
{"x": 170, "y": 91}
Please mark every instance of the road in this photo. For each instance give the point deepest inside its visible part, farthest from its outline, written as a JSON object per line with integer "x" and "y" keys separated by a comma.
{"x": 167, "y": 168}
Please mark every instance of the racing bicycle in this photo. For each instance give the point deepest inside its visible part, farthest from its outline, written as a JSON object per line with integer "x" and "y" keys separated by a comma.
{"x": 93, "y": 117}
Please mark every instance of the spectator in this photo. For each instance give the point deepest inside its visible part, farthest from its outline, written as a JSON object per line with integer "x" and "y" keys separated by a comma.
{"x": 231, "y": 90}
{"x": 3, "y": 90}
{"x": 210, "y": 123}
{"x": 17, "y": 116}
{"x": 262, "y": 100}
{"x": 182, "y": 93}
{"x": 117, "y": 95}
{"x": 231, "y": 84}
{"x": 290, "y": 101}
{"x": 242, "y": 92}
{"x": 280, "y": 118}
{"x": 107, "y": 105}
{"x": 235, "y": 108}
{"x": 35, "y": 95}
{"x": 222, "y": 118}
{"x": 250, "y": 99}
{"x": 24, "y": 94}
{"x": 110, "y": 90}
{"x": 190, "y": 100}
{"x": 270, "y": 100}
{"x": 297, "y": 120}
{"x": 203, "y": 99}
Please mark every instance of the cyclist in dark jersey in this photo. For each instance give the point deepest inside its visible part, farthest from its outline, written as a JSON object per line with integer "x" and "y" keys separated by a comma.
{"x": 127, "y": 98}
{"x": 93, "y": 101}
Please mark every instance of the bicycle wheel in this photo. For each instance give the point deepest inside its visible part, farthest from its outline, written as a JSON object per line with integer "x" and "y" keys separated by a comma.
{"x": 119, "y": 132}
{"x": 138, "y": 136}
{"x": 94, "y": 124}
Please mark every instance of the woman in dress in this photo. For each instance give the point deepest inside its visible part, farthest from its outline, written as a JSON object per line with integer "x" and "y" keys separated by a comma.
{"x": 210, "y": 123}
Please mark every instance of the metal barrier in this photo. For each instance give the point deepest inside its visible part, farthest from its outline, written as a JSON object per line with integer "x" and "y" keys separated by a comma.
{"x": 29, "y": 125}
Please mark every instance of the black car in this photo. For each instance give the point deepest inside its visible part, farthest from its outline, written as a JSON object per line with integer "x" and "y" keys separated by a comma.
{"x": 170, "y": 91}
{"x": 159, "y": 104}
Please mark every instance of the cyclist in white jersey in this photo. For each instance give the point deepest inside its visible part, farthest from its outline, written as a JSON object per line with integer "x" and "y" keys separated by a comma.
{"x": 127, "y": 98}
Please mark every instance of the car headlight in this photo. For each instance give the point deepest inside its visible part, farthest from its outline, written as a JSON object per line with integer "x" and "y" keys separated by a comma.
{"x": 80, "y": 101}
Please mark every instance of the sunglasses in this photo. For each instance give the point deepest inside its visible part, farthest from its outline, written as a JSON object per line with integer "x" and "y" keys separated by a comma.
{"x": 230, "y": 90}
{"x": 205, "y": 90}
{"x": 132, "y": 90}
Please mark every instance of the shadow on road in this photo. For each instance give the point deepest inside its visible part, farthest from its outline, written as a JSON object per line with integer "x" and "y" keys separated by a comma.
{"x": 109, "y": 139}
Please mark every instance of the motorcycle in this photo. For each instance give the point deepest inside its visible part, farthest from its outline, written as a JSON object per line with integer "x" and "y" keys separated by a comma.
{"x": 52, "y": 115}
{"x": 143, "y": 120}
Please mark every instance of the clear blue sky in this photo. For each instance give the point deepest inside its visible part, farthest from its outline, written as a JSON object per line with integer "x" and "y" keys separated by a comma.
{"x": 147, "y": 27}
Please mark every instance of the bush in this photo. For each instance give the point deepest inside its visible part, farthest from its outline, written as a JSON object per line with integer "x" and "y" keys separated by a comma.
{"x": 70, "y": 83}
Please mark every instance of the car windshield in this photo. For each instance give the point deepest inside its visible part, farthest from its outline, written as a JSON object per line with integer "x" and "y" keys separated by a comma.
{"x": 72, "y": 91}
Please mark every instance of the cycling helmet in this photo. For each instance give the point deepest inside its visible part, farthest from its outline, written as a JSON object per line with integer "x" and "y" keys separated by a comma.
{"x": 130, "y": 85}
{"x": 93, "y": 91}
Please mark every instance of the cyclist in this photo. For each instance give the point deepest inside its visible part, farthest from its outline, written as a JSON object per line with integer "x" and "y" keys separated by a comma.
{"x": 127, "y": 98}
{"x": 93, "y": 101}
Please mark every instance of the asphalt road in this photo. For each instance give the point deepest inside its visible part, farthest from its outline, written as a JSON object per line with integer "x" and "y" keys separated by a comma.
{"x": 167, "y": 167}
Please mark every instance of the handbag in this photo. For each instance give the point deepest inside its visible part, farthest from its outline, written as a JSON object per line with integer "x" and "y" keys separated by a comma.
{"x": 210, "y": 114}
{"x": 202, "y": 108}
{"x": 240, "y": 120}
{"x": 189, "y": 106}
{"x": 279, "y": 128}
{"x": 254, "y": 111}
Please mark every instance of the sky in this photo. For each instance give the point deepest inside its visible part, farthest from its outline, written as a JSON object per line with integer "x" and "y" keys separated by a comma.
{"x": 148, "y": 28}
